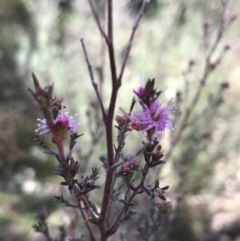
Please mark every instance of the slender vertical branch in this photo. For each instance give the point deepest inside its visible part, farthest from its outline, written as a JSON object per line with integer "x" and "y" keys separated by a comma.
{"x": 202, "y": 82}
{"x": 86, "y": 223}
{"x": 110, "y": 114}
{"x": 220, "y": 32}
{"x": 116, "y": 83}
{"x": 97, "y": 20}
{"x": 95, "y": 86}
{"x": 130, "y": 41}
{"x": 109, "y": 135}
{"x": 110, "y": 45}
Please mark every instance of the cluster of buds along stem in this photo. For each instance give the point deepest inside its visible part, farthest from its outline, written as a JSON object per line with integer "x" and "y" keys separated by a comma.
{"x": 127, "y": 168}
{"x": 68, "y": 172}
{"x": 87, "y": 183}
{"x": 59, "y": 125}
{"x": 153, "y": 154}
{"x": 155, "y": 191}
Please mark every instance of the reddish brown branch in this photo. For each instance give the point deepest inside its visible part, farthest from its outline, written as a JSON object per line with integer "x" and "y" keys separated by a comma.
{"x": 110, "y": 45}
{"x": 109, "y": 135}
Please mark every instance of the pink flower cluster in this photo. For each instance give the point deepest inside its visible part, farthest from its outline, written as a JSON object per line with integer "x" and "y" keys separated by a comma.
{"x": 154, "y": 117}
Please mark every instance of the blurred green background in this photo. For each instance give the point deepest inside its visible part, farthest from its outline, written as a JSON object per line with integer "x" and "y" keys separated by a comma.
{"x": 203, "y": 171}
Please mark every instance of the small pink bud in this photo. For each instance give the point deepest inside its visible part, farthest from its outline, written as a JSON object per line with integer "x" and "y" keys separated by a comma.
{"x": 62, "y": 122}
{"x": 124, "y": 169}
{"x": 120, "y": 120}
{"x": 61, "y": 125}
{"x": 90, "y": 182}
{"x": 158, "y": 191}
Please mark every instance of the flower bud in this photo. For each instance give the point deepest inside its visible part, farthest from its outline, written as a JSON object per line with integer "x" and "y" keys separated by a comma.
{"x": 90, "y": 182}
{"x": 158, "y": 192}
{"x": 124, "y": 170}
{"x": 133, "y": 164}
{"x": 61, "y": 125}
{"x": 120, "y": 120}
{"x": 157, "y": 155}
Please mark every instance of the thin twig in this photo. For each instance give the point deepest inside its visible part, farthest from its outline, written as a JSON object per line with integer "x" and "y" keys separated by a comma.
{"x": 96, "y": 17}
{"x": 81, "y": 197}
{"x": 202, "y": 83}
{"x": 110, "y": 45}
{"x": 130, "y": 41}
{"x": 86, "y": 223}
{"x": 118, "y": 164}
{"x": 95, "y": 86}
{"x": 221, "y": 29}
{"x": 92, "y": 212}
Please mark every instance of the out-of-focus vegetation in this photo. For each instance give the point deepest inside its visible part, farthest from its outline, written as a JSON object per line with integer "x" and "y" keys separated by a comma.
{"x": 203, "y": 170}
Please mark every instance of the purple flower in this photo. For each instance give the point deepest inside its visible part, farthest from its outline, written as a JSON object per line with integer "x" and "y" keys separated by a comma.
{"x": 153, "y": 119}
{"x": 140, "y": 92}
{"x": 62, "y": 124}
